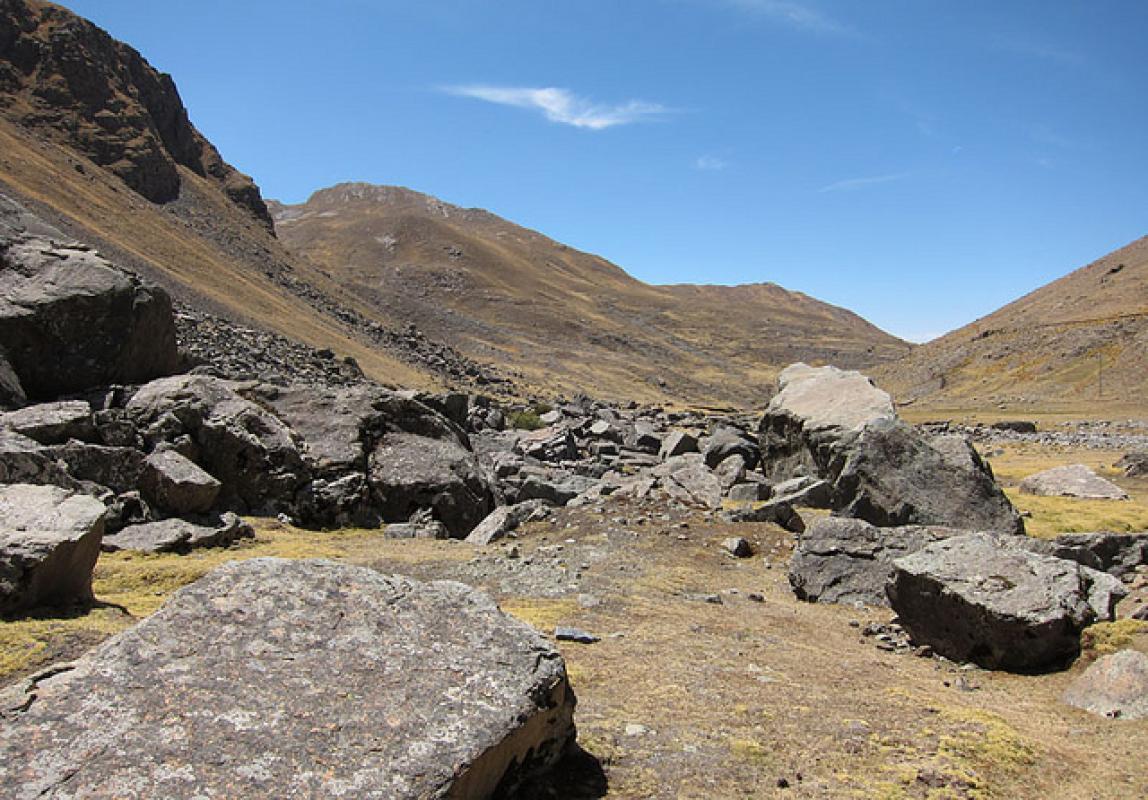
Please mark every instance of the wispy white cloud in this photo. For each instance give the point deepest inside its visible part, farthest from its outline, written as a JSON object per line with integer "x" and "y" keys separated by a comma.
{"x": 800, "y": 15}
{"x": 1030, "y": 46}
{"x": 852, "y": 184}
{"x": 710, "y": 163}
{"x": 563, "y": 106}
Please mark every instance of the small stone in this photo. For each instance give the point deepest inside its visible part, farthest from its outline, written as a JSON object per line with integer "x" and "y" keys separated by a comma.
{"x": 564, "y": 633}
{"x": 738, "y": 547}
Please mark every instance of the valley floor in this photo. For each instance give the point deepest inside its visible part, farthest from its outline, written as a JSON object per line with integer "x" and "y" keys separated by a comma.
{"x": 710, "y": 679}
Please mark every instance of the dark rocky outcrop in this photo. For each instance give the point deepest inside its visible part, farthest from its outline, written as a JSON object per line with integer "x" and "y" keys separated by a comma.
{"x": 1134, "y": 464}
{"x": 978, "y": 598}
{"x": 410, "y": 472}
{"x": 1118, "y": 554}
{"x": 249, "y": 450}
{"x": 49, "y": 543}
{"x": 840, "y": 560}
{"x": 273, "y": 678}
{"x": 67, "y": 79}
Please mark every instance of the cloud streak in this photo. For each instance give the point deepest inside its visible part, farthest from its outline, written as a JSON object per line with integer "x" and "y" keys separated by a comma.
{"x": 710, "y": 163}
{"x": 563, "y": 106}
{"x": 852, "y": 184}
{"x": 796, "y": 15}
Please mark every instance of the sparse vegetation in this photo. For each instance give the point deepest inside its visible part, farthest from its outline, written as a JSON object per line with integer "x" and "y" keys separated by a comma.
{"x": 525, "y": 420}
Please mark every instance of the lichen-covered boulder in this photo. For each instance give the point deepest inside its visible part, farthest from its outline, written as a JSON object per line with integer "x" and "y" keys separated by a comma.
{"x": 274, "y": 678}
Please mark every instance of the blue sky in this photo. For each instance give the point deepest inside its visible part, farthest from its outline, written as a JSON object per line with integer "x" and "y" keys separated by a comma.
{"x": 920, "y": 162}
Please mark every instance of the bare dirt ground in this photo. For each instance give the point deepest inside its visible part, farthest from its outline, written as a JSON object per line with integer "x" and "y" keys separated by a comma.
{"x": 710, "y": 680}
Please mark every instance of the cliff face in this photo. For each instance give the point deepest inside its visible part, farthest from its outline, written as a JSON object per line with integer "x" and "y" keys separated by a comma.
{"x": 67, "y": 79}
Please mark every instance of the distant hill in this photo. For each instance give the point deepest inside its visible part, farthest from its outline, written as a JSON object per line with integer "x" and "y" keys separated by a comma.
{"x": 564, "y": 319}
{"x": 1077, "y": 344}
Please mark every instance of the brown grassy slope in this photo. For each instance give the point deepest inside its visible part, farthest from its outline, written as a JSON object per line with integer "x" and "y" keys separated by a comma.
{"x": 1078, "y": 345}
{"x": 568, "y": 320}
{"x": 203, "y": 248}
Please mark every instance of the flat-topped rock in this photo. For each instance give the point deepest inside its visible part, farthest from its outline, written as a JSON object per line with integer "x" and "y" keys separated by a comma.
{"x": 274, "y": 678}
{"x": 1072, "y": 480}
{"x": 828, "y": 397}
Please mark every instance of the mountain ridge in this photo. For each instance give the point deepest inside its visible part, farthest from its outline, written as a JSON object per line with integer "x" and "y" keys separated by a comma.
{"x": 506, "y": 293}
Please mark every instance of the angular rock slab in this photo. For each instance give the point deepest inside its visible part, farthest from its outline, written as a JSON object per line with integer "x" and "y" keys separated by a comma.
{"x": 275, "y": 678}
{"x": 49, "y": 543}
{"x": 1072, "y": 480}
{"x": 179, "y": 535}
{"x": 977, "y": 598}
{"x": 828, "y": 397}
{"x": 52, "y": 423}
{"x": 177, "y": 484}
{"x": 1115, "y": 686}
{"x": 841, "y": 560}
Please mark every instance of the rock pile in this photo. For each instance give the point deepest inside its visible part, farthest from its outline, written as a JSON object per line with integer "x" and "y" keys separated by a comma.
{"x": 836, "y": 426}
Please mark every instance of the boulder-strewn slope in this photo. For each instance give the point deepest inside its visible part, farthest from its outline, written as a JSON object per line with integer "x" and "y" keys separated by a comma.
{"x": 565, "y": 318}
{"x": 1079, "y": 340}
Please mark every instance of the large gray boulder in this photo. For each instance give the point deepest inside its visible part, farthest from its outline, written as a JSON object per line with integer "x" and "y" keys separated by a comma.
{"x": 409, "y": 472}
{"x": 273, "y": 678}
{"x": 1072, "y": 480}
{"x": 49, "y": 543}
{"x": 686, "y": 478}
{"x": 978, "y": 598}
{"x": 837, "y": 426}
{"x": 1115, "y": 686}
{"x": 70, "y": 320}
{"x": 842, "y": 560}
{"x": 249, "y": 450}
{"x": 890, "y": 474}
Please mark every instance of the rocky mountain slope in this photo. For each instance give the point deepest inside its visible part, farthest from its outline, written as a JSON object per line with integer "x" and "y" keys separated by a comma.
{"x": 1078, "y": 342}
{"x": 568, "y": 320}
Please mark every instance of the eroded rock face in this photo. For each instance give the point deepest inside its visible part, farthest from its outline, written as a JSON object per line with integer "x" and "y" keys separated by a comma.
{"x": 273, "y": 678}
{"x": 841, "y": 560}
{"x": 978, "y": 598}
{"x": 70, "y": 320}
{"x": 249, "y": 450}
{"x": 49, "y": 543}
{"x": 79, "y": 85}
{"x": 1072, "y": 480}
